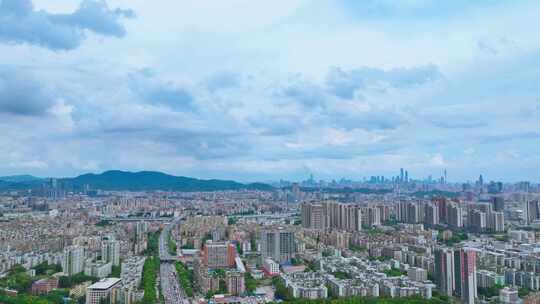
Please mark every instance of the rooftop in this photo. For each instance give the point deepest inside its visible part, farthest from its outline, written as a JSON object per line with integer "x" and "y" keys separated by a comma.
{"x": 105, "y": 283}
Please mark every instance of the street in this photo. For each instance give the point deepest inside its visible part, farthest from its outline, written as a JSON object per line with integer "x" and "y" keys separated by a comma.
{"x": 170, "y": 287}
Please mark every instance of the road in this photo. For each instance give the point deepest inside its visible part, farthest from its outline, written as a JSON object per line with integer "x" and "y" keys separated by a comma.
{"x": 170, "y": 288}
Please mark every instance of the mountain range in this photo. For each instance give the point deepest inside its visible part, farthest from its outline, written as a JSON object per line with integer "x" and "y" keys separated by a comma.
{"x": 132, "y": 181}
{"x": 19, "y": 178}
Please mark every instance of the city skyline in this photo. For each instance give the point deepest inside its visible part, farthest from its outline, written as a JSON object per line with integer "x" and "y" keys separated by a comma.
{"x": 258, "y": 91}
{"x": 261, "y": 152}
{"x": 391, "y": 177}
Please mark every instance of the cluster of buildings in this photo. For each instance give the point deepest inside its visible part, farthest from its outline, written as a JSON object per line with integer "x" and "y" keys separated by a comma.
{"x": 219, "y": 269}
{"x": 341, "y": 216}
{"x": 123, "y": 290}
{"x": 318, "y": 243}
{"x": 479, "y": 217}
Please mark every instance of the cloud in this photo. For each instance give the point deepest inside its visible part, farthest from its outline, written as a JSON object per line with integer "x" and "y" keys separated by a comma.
{"x": 344, "y": 84}
{"x": 222, "y": 80}
{"x": 31, "y": 164}
{"x": 457, "y": 116}
{"x": 21, "y": 23}
{"x": 22, "y": 94}
{"x": 240, "y": 113}
{"x": 178, "y": 141}
{"x": 276, "y": 124}
{"x": 306, "y": 93}
{"x": 437, "y": 160}
{"x": 146, "y": 84}
{"x": 448, "y": 123}
{"x": 372, "y": 119}
{"x": 517, "y": 136}
{"x": 496, "y": 46}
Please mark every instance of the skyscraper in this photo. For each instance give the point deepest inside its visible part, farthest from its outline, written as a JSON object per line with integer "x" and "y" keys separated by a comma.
{"x": 296, "y": 191}
{"x": 441, "y": 204}
{"x": 432, "y": 215}
{"x": 444, "y": 270}
{"x": 331, "y": 215}
{"x": 73, "y": 262}
{"x": 313, "y": 216}
{"x": 498, "y": 203}
{"x": 354, "y": 218}
{"x": 455, "y": 215}
{"x": 278, "y": 244}
{"x": 235, "y": 283}
{"x": 496, "y": 221}
{"x": 532, "y": 211}
{"x": 219, "y": 254}
{"x": 110, "y": 252}
{"x": 465, "y": 275}
{"x": 477, "y": 220}
{"x": 445, "y": 177}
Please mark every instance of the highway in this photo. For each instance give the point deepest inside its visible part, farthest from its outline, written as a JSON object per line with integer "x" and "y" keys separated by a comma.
{"x": 170, "y": 288}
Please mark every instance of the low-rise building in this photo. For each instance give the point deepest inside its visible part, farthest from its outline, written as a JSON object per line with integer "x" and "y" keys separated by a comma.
{"x": 509, "y": 296}
{"x": 307, "y": 285}
{"x": 270, "y": 267}
{"x": 44, "y": 286}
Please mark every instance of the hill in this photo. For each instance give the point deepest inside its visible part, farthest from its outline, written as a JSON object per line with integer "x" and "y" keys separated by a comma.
{"x": 150, "y": 180}
{"x": 19, "y": 178}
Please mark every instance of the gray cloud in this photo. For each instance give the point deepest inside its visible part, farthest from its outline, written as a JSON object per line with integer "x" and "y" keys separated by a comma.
{"x": 307, "y": 93}
{"x": 349, "y": 121}
{"x": 345, "y": 152}
{"x": 153, "y": 90}
{"x": 22, "y": 94}
{"x": 375, "y": 119}
{"x": 179, "y": 139}
{"x": 21, "y": 23}
{"x": 322, "y": 107}
{"x": 276, "y": 125}
{"x": 344, "y": 84}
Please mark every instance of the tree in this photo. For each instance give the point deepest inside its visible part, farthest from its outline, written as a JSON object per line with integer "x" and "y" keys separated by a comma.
{"x": 232, "y": 221}
{"x": 341, "y": 275}
{"x": 171, "y": 245}
{"x": 251, "y": 283}
{"x": 523, "y": 292}
{"x": 282, "y": 292}
{"x": 222, "y": 286}
{"x": 490, "y": 291}
{"x": 17, "y": 279}
{"x": 239, "y": 248}
{"x": 150, "y": 269}
{"x": 44, "y": 268}
{"x": 185, "y": 277}
{"x": 116, "y": 271}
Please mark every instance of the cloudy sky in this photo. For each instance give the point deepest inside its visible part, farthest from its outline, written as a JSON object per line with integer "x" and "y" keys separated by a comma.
{"x": 258, "y": 90}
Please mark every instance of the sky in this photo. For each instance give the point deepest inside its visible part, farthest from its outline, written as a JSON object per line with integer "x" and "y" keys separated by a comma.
{"x": 262, "y": 90}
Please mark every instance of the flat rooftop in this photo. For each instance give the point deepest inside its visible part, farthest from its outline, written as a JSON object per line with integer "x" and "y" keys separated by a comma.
{"x": 105, "y": 283}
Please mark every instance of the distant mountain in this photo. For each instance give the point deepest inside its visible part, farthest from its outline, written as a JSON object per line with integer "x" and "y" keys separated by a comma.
{"x": 4, "y": 186}
{"x": 19, "y": 178}
{"x": 149, "y": 180}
